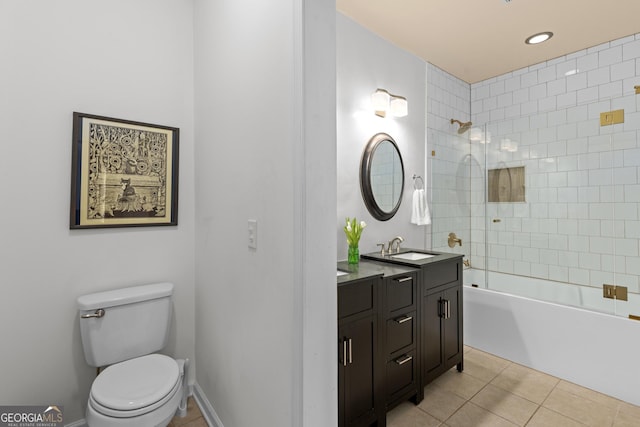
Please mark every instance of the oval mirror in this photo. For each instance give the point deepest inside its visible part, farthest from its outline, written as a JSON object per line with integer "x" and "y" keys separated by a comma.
{"x": 382, "y": 177}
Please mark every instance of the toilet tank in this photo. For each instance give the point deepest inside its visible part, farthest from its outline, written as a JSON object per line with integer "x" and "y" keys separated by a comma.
{"x": 135, "y": 322}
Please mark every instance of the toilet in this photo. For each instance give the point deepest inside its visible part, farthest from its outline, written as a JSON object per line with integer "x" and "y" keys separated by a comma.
{"x": 123, "y": 329}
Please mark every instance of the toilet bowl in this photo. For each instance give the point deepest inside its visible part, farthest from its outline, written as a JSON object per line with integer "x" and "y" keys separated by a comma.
{"x": 145, "y": 391}
{"x": 123, "y": 329}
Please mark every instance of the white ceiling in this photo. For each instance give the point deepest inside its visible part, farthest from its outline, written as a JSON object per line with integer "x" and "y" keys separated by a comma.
{"x": 478, "y": 39}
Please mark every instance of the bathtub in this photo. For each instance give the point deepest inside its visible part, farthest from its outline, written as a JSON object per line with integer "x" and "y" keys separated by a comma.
{"x": 591, "y": 348}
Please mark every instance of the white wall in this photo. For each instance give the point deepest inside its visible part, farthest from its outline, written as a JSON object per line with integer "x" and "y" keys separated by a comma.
{"x": 265, "y": 131}
{"x": 130, "y": 60}
{"x": 366, "y": 62}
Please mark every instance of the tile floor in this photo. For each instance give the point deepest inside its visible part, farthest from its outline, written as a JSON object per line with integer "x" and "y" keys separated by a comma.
{"x": 494, "y": 392}
{"x": 194, "y": 417}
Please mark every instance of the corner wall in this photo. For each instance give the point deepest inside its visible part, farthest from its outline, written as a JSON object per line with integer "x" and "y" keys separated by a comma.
{"x": 265, "y": 150}
{"x": 130, "y": 60}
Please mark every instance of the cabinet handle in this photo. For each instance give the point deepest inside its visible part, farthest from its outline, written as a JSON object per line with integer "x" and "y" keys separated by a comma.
{"x": 444, "y": 308}
{"x": 403, "y": 319}
{"x": 404, "y": 279}
{"x": 350, "y": 351}
{"x": 401, "y": 361}
{"x": 344, "y": 352}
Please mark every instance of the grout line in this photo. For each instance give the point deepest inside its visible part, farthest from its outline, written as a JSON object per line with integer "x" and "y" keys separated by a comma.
{"x": 538, "y": 406}
{"x": 533, "y": 415}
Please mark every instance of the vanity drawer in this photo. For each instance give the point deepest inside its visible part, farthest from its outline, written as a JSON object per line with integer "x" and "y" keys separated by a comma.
{"x": 440, "y": 274}
{"x": 358, "y": 297}
{"x": 400, "y": 292}
{"x": 400, "y": 373}
{"x": 401, "y": 332}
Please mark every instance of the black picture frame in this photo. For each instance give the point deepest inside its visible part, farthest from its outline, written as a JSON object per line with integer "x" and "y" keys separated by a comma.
{"x": 123, "y": 173}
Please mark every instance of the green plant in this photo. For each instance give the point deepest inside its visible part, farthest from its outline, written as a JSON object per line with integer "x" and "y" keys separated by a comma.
{"x": 353, "y": 230}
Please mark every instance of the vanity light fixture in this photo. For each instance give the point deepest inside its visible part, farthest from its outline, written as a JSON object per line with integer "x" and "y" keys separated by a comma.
{"x": 539, "y": 38}
{"x": 383, "y": 102}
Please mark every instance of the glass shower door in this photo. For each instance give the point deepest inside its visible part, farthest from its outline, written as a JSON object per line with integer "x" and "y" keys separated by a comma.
{"x": 624, "y": 229}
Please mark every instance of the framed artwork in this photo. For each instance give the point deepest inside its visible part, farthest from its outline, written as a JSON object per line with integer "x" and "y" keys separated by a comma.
{"x": 123, "y": 173}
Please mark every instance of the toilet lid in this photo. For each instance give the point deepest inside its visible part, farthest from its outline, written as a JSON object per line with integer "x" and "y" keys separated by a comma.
{"x": 136, "y": 383}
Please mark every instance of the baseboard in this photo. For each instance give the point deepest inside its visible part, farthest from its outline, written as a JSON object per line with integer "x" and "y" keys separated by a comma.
{"x": 206, "y": 408}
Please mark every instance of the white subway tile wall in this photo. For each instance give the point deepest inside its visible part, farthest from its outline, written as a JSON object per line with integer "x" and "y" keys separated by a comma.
{"x": 581, "y": 219}
{"x": 448, "y": 162}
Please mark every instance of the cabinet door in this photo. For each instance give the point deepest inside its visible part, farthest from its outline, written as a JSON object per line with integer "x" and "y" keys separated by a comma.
{"x": 451, "y": 324}
{"x": 357, "y": 347}
{"x": 431, "y": 344}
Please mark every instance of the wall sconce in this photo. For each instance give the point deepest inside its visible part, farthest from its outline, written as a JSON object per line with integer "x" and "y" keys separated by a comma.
{"x": 382, "y": 101}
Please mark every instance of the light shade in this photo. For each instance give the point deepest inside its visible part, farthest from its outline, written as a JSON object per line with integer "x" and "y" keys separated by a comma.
{"x": 399, "y": 106}
{"x": 380, "y": 102}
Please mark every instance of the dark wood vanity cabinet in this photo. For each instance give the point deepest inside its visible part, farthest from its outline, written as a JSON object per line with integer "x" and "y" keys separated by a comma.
{"x": 400, "y": 338}
{"x": 442, "y": 344}
{"x": 360, "y": 393}
{"x": 399, "y": 327}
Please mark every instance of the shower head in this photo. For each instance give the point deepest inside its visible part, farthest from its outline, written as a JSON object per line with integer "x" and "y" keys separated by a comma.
{"x": 463, "y": 126}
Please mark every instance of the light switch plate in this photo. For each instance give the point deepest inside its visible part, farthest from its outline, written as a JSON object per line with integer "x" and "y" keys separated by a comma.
{"x": 253, "y": 234}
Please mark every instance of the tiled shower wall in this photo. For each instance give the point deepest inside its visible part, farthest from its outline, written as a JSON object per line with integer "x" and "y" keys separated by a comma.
{"x": 447, "y": 176}
{"x": 581, "y": 219}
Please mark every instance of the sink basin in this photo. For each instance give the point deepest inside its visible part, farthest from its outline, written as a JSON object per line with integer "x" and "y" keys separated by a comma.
{"x": 341, "y": 273}
{"x": 412, "y": 256}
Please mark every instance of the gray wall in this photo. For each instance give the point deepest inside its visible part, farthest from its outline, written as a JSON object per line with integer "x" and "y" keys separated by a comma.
{"x": 130, "y": 60}
{"x": 366, "y": 62}
{"x": 265, "y": 131}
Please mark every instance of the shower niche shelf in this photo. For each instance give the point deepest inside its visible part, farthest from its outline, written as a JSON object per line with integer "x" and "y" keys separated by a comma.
{"x": 506, "y": 185}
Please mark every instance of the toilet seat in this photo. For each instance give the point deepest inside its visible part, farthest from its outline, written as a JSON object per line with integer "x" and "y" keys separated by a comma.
{"x": 135, "y": 387}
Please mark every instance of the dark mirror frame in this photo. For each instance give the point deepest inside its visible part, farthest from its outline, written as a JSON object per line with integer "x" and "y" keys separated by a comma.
{"x": 365, "y": 177}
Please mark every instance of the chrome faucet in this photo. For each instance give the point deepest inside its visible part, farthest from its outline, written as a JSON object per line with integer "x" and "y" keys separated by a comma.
{"x": 395, "y": 241}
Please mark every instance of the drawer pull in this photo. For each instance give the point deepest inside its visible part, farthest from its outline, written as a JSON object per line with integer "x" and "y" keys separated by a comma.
{"x": 404, "y": 279}
{"x": 403, "y": 360}
{"x": 403, "y": 319}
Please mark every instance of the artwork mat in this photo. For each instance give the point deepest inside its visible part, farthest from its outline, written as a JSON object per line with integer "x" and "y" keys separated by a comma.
{"x": 80, "y": 175}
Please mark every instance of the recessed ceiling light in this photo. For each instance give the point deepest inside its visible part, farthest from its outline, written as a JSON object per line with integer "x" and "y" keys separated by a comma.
{"x": 539, "y": 38}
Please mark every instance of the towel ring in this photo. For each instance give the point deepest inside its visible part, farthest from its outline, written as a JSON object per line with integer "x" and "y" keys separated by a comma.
{"x": 415, "y": 182}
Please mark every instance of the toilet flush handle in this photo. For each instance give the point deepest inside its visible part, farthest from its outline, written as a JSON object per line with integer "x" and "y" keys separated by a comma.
{"x": 98, "y": 313}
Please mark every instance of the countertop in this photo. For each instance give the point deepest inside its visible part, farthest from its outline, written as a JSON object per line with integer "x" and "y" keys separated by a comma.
{"x": 440, "y": 256}
{"x": 366, "y": 269}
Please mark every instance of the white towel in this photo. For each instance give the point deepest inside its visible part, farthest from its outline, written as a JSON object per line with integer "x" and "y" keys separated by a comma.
{"x": 420, "y": 213}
